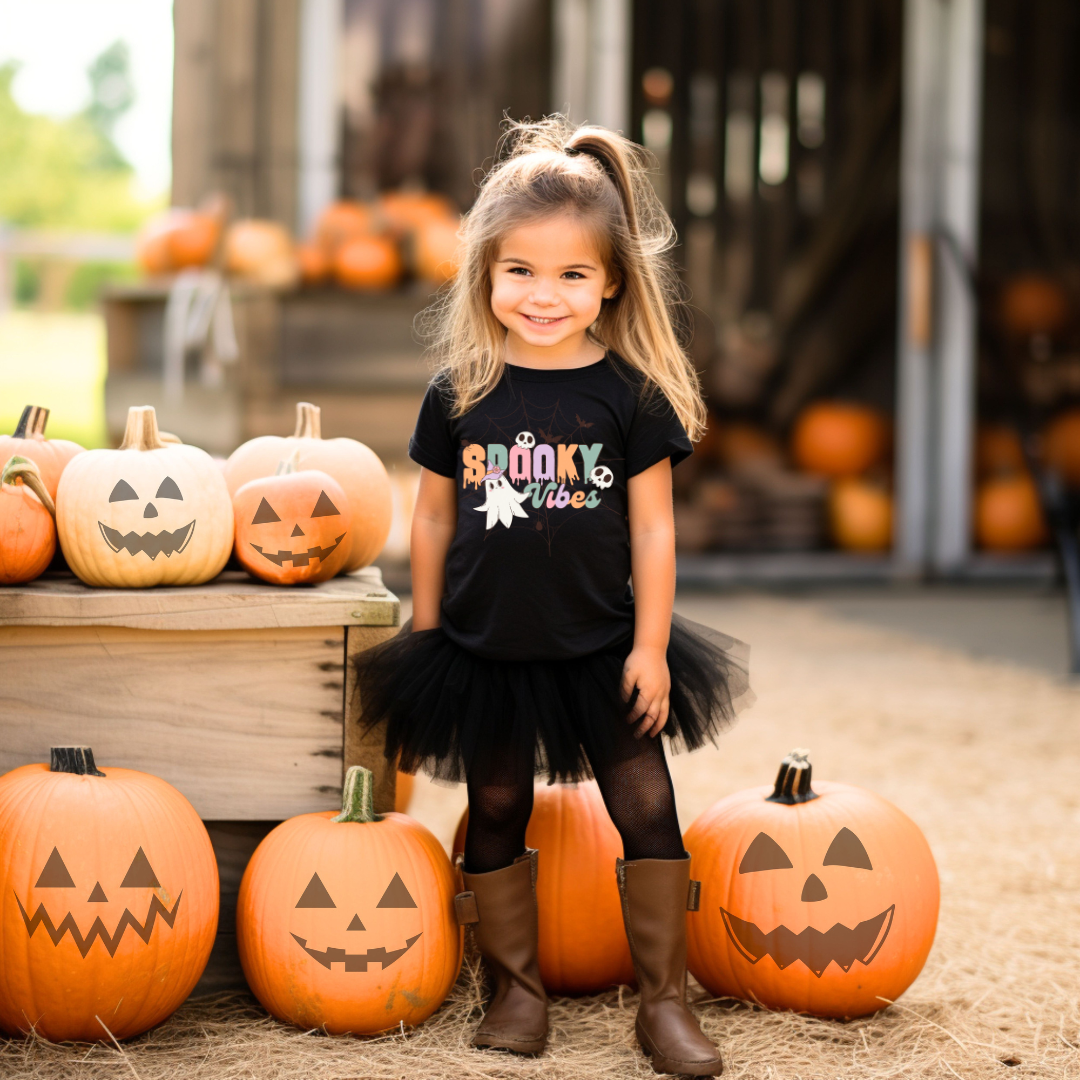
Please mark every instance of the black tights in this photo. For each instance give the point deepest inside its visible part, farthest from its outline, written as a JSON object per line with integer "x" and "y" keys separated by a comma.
{"x": 636, "y": 788}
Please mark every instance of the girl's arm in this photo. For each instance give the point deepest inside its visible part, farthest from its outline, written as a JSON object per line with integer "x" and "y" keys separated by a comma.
{"x": 652, "y": 565}
{"x": 433, "y": 526}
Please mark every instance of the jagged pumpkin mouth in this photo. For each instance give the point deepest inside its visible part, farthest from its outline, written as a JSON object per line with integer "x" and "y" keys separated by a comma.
{"x": 356, "y": 961}
{"x": 98, "y": 930}
{"x": 300, "y": 558}
{"x": 815, "y": 948}
{"x": 153, "y": 544}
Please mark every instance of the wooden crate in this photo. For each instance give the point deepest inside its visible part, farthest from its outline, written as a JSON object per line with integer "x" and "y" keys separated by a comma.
{"x": 239, "y": 694}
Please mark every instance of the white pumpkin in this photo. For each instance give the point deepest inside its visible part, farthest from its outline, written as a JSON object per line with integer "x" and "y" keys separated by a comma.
{"x": 150, "y": 513}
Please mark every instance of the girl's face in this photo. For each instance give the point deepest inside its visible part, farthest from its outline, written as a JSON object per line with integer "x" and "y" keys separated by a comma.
{"x": 547, "y": 283}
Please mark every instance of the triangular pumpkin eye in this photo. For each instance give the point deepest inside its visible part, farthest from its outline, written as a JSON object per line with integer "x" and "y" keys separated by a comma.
{"x": 140, "y": 874}
{"x": 55, "y": 875}
{"x": 264, "y": 514}
{"x": 324, "y": 507}
{"x": 396, "y": 895}
{"x": 315, "y": 895}
{"x": 123, "y": 492}
{"x": 169, "y": 489}
{"x": 847, "y": 850}
{"x": 764, "y": 854}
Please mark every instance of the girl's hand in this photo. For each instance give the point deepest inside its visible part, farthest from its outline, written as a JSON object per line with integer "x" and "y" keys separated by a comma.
{"x": 646, "y": 668}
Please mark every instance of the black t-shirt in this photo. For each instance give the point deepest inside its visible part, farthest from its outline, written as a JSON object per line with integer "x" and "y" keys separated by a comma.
{"x": 540, "y": 564}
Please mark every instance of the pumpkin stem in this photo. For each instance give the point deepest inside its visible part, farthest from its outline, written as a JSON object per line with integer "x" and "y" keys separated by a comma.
{"x": 358, "y": 796}
{"x": 308, "y": 421}
{"x": 290, "y": 464}
{"x": 32, "y": 422}
{"x": 73, "y": 759}
{"x": 20, "y": 468}
{"x": 793, "y": 780}
{"x": 141, "y": 432}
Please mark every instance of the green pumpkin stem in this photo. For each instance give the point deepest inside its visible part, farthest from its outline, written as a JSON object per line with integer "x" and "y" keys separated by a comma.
{"x": 141, "y": 432}
{"x": 73, "y": 759}
{"x": 308, "y": 421}
{"x": 358, "y": 796}
{"x": 793, "y": 780}
{"x": 20, "y": 468}
{"x": 32, "y": 422}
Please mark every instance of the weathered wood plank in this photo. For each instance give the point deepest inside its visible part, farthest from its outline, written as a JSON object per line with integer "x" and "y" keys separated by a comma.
{"x": 366, "y": 747}
{"x": 246, "y": 723}
{"x": 232, "y": 601}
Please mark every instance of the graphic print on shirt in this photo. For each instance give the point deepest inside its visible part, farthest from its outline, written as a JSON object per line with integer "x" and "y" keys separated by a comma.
{"x": 548, "y": 470}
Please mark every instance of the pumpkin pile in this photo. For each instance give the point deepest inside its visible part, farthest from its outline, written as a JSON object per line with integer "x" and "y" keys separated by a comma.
{"x": 108, "y": 895}
{"x": 820, "y": 901}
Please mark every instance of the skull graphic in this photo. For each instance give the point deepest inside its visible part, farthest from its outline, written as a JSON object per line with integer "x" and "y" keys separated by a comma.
{"x": 526, "y": 440}
{"x": 601, "y": 476}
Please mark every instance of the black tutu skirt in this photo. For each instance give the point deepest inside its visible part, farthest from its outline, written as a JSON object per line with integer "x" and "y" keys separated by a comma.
{"x": 444, "y": 706}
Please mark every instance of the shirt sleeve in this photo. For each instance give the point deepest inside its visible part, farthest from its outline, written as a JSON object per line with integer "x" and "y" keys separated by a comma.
{"x": 432, "y": 444}
{"x": 655, "y": 433}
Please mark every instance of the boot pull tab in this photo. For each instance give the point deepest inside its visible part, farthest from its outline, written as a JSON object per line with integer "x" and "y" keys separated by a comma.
{"x": 693, "y": 896}
{"x": 465, "y": 908}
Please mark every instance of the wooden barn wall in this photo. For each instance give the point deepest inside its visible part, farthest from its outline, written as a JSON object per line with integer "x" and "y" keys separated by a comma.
{"x": 234, "y": 104}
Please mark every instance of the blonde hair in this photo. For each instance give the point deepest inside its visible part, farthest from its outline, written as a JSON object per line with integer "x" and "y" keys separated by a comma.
{"x": 548, "y": 167}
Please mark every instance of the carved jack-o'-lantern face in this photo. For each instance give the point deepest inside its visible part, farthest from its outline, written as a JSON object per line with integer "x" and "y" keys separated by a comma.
{"x": 819, "y": 901}
{"x": 152, "y": 544}
{"x": 140, "y": 876}
{"x": 371, "y": 947}
{"x": 290, "y": 527}
{"x": 840, "y": 944}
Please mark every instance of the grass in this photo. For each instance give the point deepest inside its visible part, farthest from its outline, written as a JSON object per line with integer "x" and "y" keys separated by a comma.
{"x": 58, "y": 361}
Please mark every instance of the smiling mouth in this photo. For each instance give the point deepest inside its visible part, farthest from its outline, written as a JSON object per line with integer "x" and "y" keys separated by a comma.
{"x": 152, "y": 544}
{"x": 536, "y": 320}
{"x": 356, "y": 961}
{"x": 300, "y": 558}
{"x": 813, "y": 947}
{"x": 110, "y": 941}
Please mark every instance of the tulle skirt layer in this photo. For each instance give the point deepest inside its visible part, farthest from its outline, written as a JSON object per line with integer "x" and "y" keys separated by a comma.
{"x": 444, "y": 707}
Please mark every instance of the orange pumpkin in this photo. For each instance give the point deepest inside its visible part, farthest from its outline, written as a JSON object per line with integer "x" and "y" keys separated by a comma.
{"x": 410, "y": 211}
{"x": 50, "y": 455}
{"x": 834, "y": 438}
{"x": 998, "y": 449}
{"x": 368, "y": 263}
{"x": 177, "y": 239}
{"x": 582, "y": 946}
{"x": 353, "y": 465}
{"x": 1034, "y": 304}
{"x": 437, "y": 248}
{"x": 861, "y": 515}
{"x": 1061, "y": 446}
{"x": 314, "y": 264}
{"x": 261, "y": 252}
{"x": 346, "y": 921}
{"x": 340, "y": 222}
{"x": 1008, "y": 514}
{"x": 744, "y": 447}
{"x": 822, "y": 902}
{"x": 27, "y": 523}
{"x": 109, "y": 899}
{"x": 291, "y": 527}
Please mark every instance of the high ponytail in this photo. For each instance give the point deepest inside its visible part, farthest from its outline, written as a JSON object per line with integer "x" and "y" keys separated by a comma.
{"x": 550, "y": 167}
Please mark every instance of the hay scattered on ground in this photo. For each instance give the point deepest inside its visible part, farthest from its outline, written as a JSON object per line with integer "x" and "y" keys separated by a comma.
{"x": 983, "y": 756}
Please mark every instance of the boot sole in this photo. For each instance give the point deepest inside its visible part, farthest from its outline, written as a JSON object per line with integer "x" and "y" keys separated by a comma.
{"x": 662, "y": 1064}
{"x": 528, "y": 1048}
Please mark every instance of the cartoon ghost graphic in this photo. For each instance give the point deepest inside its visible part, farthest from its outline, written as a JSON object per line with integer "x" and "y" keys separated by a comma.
{"x": 502, "y": 503}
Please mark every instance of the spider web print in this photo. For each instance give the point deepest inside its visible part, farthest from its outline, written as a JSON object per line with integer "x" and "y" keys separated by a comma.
{"x": 543, "y": 422}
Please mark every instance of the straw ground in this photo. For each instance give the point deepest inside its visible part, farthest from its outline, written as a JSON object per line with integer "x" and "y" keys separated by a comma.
{"x": 984, "y": 756}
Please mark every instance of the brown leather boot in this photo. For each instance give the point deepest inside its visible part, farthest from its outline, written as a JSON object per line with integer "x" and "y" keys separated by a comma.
{"x": 502, "y": 905}
{"x": 655, "y": 896}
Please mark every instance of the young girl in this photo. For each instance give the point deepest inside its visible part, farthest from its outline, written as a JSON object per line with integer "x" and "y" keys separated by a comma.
{"x": 546, "y": 441}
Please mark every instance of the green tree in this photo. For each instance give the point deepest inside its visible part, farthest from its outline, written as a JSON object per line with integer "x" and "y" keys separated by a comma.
{"x": 68, "y": 174}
